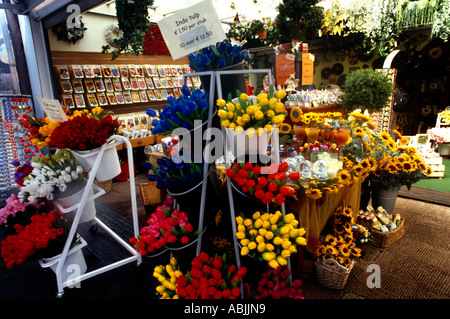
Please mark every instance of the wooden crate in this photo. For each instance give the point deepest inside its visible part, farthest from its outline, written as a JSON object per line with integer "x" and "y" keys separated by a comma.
{"x": 438, "y": 171}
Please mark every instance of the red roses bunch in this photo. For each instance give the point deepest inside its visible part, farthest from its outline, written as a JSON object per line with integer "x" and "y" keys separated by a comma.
{"x": 275, "y": 284}
{"x": 165, "y": 226}
{"x": 266, "y": 187}
{"x": 83, "y": 132}
{"x": 30, "y": 239}
{"x": 154, "y": 43}
{"x": 210, "y": 278}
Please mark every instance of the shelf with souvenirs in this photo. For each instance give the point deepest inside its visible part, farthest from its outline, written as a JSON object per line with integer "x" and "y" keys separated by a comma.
{"x": 88, "y": 86}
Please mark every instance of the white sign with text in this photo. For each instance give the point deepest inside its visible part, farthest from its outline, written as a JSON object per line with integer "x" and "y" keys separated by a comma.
{"x": 53, "y": 110}
{"x": 191, "y": 29}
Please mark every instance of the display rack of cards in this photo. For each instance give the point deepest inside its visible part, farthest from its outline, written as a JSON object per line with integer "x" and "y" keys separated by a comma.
{"x": 13, "y": 142}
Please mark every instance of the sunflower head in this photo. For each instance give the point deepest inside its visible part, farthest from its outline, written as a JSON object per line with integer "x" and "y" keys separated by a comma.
{"x": 284, "y": 128}
{"x": 296, "y": 114}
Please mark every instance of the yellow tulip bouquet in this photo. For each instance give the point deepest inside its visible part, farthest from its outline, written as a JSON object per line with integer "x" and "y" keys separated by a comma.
{"x": 269, "y": 237}
{"x": 254, "y": 115}
{"x": 167, "y": 276}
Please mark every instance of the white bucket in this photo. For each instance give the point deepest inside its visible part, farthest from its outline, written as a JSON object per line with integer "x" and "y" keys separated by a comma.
{"x": 73, "y": 266}
{"x": 89, "y": 210}
{"x": 109, "y": 166}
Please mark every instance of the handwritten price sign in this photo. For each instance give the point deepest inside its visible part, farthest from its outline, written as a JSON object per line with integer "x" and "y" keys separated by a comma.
{"x": 191, "y": 29}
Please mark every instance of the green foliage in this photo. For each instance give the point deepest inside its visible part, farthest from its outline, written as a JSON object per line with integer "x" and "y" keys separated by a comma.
{"x": 134, "y": 23}
{"x": 299, "y": 19}
{"x": 366, "y": 89}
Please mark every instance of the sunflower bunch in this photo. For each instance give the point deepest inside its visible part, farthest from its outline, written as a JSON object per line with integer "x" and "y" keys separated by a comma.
{"x": 397, "y": 164}
{"x": 269, "y": 237}
{"x": 167, "y": 277}
{"x": 312, "y": 118}
{"x": 340, "y": 244}
{"x": 254, "y": 115}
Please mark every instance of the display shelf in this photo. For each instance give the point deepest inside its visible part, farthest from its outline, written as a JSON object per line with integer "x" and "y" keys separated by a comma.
{"x": 135, "y": 256}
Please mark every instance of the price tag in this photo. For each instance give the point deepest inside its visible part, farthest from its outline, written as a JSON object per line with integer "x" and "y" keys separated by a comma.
{"x": 53, "y": 110}
{"x": 191, "y": 29}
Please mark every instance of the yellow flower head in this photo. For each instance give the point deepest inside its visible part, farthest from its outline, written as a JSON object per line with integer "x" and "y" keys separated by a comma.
{"x": 280, "y": 94}
{"x": 296, "y": 114}
{"x": 243, "y": 96}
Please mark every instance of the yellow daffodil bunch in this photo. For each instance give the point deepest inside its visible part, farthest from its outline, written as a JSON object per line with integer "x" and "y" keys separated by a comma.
{"x": 254, "y": 115}
{"x": 269, "y": 237}
{"x": 167, "y": 277}
{"x": 340, "y": 244}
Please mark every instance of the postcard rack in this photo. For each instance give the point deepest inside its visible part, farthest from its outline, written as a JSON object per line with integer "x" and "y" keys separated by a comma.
{"x": 113, "y": 141}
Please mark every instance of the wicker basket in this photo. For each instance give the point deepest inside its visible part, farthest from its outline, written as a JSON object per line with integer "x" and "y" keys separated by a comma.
{"x": 150, "y": 194}
{"x": 384, "y": 240}
{"x": 331, "y": 274}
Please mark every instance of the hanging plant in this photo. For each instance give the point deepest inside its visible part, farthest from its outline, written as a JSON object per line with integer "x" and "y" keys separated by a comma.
{"x": 71, "y": 35}
{"x": 441, "y": 21}
{"x": 134, "y": 22}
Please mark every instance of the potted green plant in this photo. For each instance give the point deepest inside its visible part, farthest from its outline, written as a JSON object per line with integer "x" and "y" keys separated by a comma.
{"x": 366, "y": 89}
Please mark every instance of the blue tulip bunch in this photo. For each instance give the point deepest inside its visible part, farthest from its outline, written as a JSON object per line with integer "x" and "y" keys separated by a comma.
{"x": 181, "y": 112}
{"x": 174, "y": 176}
{"x": 217, "y": 57}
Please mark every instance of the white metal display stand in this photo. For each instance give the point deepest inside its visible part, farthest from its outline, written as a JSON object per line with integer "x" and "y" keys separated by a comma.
{"x": 216, "y": 79}
{"x": 113, "y": 141}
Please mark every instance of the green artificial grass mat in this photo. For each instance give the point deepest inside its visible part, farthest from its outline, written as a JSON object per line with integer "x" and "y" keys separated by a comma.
{"x": 435, "y": 183}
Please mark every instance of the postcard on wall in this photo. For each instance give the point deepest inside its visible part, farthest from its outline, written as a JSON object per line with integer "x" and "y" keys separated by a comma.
{"x": 142, "y": 84}
{"x": 66, "y": 86}
{"x": 119, "y": 97}
{"x": 108, "y": 85}
{"x": 126, "y": 83}
{"x": 151, "y": 95}
{"x": 101, "y": 98}
{"x": 89, "y": 86}
{"x": 106, "y": 70}
{"x": 143, "y": 96}
{"x": 127, "y": 97}
{"x": 97, "y": 71}
{"x": 115, "y": 71}
{"x": 117, "y": 84}
{"x": 135, "y": 97}
{"x": 123, "y": 69}
{"x": 77, "y": 71}
{"x": 92, "y": 100}
{"x": 63, "y": 72}
{"x": 77, "y": 86}
{"x": 134, "y": 84}
{"x": 99, "y": 85}
{"x": 88, "y": 71}
{"x": 132, "y": 70}
{"x": 79, "y": 100}
{"x": 149, "y": 82}
{"x": 140, "y": 71}
{"x": 111, "y": 98}
{"x": 68, "y": 101}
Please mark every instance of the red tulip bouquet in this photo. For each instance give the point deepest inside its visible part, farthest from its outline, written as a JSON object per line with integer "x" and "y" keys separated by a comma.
{"x": 165, "y": 226}
{"x": 266, "y": 187}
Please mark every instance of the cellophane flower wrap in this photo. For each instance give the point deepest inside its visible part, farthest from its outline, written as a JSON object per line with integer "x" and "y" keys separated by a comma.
{"x": 84, "y": 130}
{"x": 269, "y": 188}
{"x": 439, "y": 135}
{"x": 42, "y": 235}
{"x": 181, "y": 112}
{"x": 52, "y": 175}
{"x": 166, "y": 225}
{"x": 253, "y": 118}
{"x": 269, "y": 237}
{"x": 174, "y": 176}
{"x": 274, "y": 284}
{"x": 340, "y": 244}
{"x": 216, "y": 57}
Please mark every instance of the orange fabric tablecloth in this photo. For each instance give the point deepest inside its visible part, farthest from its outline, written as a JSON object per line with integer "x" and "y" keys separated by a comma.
{"x": 314, "y": 214}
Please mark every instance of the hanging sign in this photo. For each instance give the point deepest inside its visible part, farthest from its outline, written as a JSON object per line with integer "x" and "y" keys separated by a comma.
{"x": 285, "y": 66}
{"x": 192, "y": 29}
{"x": 307, "y": 69}
{"x": 53, "y": 110}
